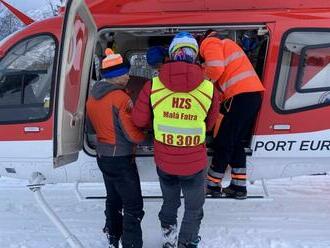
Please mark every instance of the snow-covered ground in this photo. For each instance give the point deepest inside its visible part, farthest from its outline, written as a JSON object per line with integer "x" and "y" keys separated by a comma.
{"x": 297, "y": 217}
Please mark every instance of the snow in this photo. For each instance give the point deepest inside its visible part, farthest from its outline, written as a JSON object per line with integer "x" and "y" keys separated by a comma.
{"x": 298, "y": 216}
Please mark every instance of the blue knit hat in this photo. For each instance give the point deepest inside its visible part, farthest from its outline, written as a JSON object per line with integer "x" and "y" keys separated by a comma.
{"x": 156, "y": 55}
{"x": 184, "y": 47}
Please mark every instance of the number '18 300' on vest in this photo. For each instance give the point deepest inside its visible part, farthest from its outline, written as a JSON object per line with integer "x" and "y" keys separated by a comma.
{"x": 179, "y": 117}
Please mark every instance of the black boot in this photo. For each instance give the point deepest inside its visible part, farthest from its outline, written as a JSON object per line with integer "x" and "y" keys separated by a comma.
{"x": 192, "y": 244}
{"x": 112, "y": 240}
{"x": 213, "y": 191}
{"x": 236, "y": 192}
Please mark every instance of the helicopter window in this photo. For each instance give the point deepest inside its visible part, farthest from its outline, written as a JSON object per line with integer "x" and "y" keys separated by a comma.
{"x": 25, "y": 80}
{"x": 314, "y": 69}
{"x": 303, "y": 79}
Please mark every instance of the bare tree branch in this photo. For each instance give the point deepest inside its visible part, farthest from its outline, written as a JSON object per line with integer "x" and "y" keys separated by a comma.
{"x": 53, "y": 7}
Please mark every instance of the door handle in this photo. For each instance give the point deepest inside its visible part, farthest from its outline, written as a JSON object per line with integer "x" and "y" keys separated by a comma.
{"x": 75, "y": 120}
{"x": 281, "y": 127}
{"x": 32, "y": 129}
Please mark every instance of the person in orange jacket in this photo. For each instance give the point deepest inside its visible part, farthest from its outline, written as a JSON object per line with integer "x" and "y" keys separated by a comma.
{"x": 240, "y": 89}
{"x": 109, "y": 113}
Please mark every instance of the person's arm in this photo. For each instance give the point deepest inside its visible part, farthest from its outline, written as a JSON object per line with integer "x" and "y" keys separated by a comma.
{"x": 213, "y": 112}
{"x": 142, "y": 112}
{"x": 131, "y": 132}
{"x": 212, "y": 52}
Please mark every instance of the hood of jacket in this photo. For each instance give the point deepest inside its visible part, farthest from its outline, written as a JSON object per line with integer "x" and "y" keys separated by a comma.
{"x": 101, "y": 88}
{"x": 181, "y": 76}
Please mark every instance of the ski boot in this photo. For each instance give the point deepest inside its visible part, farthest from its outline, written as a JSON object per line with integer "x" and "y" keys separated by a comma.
{"x": 170, "y": 236}
{"x": 193, "y": 244}
{"x": 213, "y": 191}
{"x": 238, "y": 193}
{"x": 112, "y": 240}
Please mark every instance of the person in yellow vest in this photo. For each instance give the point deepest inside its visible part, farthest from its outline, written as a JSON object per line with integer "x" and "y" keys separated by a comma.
{"x": 182, "y": 106}
{"x": 229, "y": 68}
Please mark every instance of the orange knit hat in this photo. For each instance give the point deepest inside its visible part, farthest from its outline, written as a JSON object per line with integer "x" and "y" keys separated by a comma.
{"x": 113, "y": 65}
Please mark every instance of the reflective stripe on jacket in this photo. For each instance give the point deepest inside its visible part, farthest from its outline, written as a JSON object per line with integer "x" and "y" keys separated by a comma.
{"x": 228, "y": 65}
{"x": 179, "y": 117}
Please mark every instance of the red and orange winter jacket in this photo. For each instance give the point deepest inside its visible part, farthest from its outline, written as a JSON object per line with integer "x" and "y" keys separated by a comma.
{"x": 178, "y": 77}
{"x": 227, "y": 65}
{"x": 109, "y": 111}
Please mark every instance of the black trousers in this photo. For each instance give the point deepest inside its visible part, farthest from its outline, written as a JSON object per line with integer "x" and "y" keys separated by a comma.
{"x": 239, "y": 115}
{"x": 194, "y": 197}
{"x": 124, "y": 203}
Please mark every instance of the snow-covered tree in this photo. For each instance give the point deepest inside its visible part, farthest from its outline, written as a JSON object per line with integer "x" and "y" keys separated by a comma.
{"x": 54, "y": 5}
{"x": 8, "y": 23}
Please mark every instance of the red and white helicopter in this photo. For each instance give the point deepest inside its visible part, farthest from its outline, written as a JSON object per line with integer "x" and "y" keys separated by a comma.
{"x": 47, "y": 68}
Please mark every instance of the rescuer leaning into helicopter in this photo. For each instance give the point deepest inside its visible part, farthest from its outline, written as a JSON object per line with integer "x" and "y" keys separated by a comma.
{"x": 182, "y": 106}
{"x": 109, "y": 112}
{"x": 229, "y": 68}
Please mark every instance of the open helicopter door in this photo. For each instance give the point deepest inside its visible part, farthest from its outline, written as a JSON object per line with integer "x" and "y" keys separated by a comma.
{"x": 79, "y": 33}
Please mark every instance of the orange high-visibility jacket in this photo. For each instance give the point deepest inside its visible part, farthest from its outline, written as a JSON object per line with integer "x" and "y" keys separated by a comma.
{"x": 228, "y": 66}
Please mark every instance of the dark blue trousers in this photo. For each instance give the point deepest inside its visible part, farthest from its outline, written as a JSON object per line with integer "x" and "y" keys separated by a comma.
{"x": 124, "y": 203}
{"x": 194, "y": 197}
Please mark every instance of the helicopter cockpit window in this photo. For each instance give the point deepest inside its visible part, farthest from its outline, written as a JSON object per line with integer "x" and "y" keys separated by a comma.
{"x": 25, "y": 80}
{"x": 303, "y": 79}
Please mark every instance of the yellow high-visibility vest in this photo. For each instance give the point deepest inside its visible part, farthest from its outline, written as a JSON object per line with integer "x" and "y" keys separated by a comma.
{"x": 179, "y": 117}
